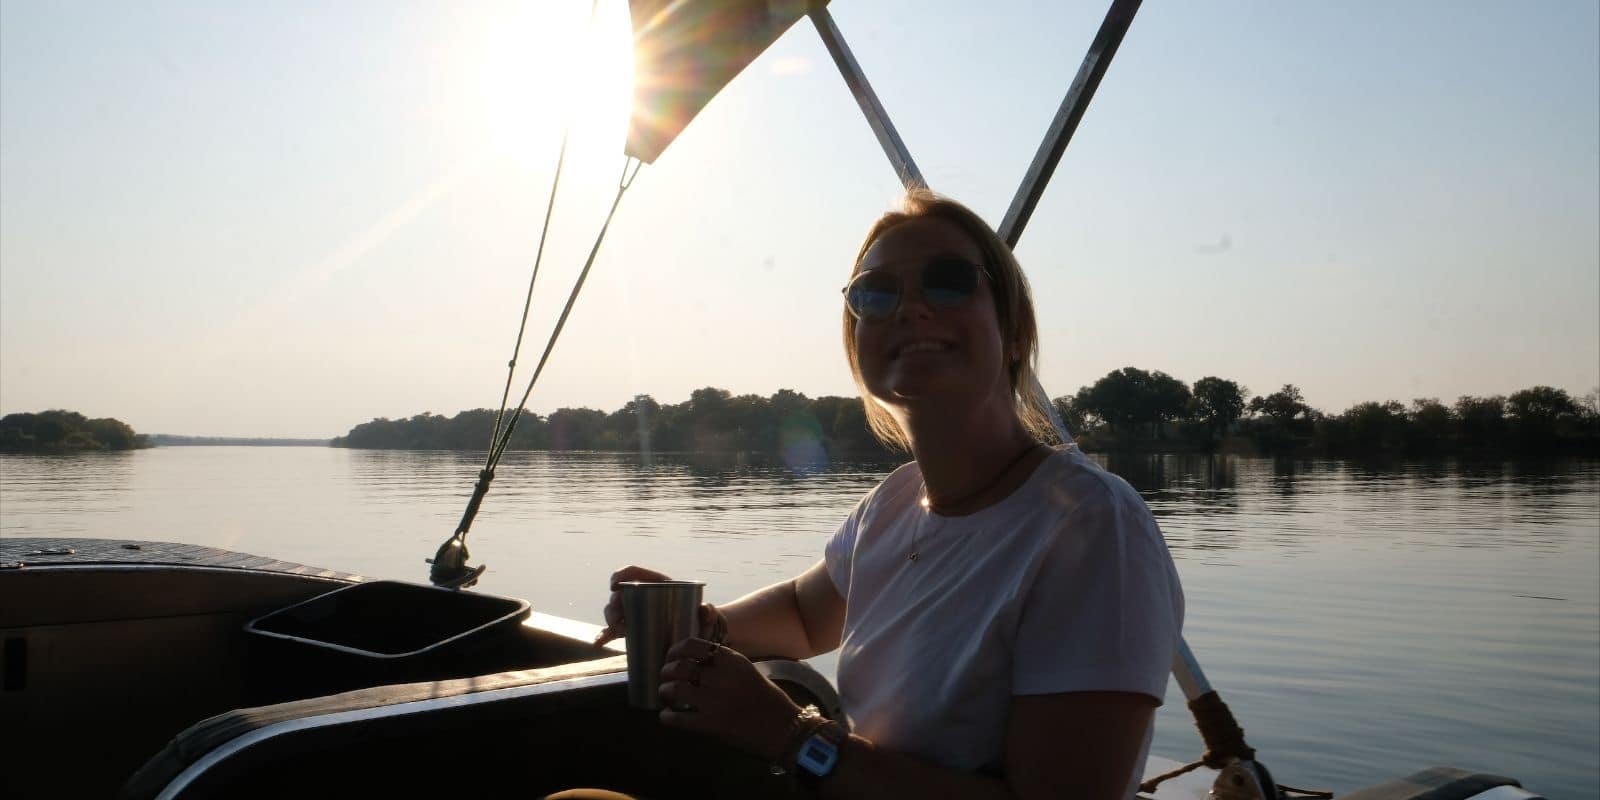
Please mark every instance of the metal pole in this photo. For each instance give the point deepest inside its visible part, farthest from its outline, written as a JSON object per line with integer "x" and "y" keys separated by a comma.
{"x": 1185, "y": 667}
{"x": 1094, "y": 66}
{"x": 877, "y": 117}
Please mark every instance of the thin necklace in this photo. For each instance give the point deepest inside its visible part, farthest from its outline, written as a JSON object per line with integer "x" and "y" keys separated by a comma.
{"x": 927, "y": 501}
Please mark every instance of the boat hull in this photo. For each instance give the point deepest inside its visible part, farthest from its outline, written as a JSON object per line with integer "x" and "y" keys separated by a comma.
{"x": 136, "y": 657}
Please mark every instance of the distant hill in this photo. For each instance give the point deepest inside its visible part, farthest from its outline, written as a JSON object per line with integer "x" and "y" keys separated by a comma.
{"x": 172, "y": 440}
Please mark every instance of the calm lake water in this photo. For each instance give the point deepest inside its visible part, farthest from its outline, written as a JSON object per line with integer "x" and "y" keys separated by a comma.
{"x": 1362, "y": 621}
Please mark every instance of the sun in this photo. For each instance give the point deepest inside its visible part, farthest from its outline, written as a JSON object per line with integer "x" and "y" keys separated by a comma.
{"x": 551, "y": 64}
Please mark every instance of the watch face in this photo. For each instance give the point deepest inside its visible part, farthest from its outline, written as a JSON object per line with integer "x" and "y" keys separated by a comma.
{"x": 818, "y": 755}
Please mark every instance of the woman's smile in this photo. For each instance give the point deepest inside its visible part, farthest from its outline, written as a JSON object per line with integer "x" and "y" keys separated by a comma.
{"x": 921, "y": 347}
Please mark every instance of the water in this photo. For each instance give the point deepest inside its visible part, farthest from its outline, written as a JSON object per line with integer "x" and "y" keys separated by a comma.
{"x": 1362, "y": 621}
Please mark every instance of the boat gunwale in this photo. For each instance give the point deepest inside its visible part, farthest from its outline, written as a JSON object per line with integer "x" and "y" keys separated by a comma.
{"x": 239, "y": 744}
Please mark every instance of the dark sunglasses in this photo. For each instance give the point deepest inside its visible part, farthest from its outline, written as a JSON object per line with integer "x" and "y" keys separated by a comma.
{"x": 947, "y": 282}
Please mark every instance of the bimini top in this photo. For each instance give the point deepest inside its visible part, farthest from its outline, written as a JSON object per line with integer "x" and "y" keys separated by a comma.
{"x": 685, "y": 51}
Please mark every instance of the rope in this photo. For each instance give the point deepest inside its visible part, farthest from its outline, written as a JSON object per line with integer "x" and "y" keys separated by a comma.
{"x": 1149, "y": 786}
{"x": 450, "y": 568}
{"x": 450, "y": 562}
{"x": 622, "y": 186}
{"x": 1310, "y": 794}
{"x": 1223, "y": 737}
{"x": 527, "y": 303}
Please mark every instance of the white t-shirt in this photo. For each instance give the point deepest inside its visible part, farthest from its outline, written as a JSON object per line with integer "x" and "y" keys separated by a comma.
{"x": 1064, "y": 586}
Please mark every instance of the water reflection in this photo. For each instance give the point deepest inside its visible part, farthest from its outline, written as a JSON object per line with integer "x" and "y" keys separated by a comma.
{"x": 1205, "y": 503}
{"x": 69, "y": 490}
{"x": 1220, "y": 502}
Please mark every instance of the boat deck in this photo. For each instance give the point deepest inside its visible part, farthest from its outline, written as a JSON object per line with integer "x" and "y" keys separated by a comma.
{"x": 23, "y": 552}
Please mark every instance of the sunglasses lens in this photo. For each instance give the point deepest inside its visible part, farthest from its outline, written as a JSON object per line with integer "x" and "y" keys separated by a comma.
{"x": 948, "y": 283}
{"x": 873, "y": 295}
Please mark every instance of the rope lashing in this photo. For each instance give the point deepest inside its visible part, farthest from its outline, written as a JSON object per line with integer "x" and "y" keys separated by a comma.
{"x": 1223, "y": 737}
{"x": 1225, "y": 744}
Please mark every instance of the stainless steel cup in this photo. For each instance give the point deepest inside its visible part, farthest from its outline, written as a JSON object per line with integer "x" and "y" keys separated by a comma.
{"x": 658, "y": 614}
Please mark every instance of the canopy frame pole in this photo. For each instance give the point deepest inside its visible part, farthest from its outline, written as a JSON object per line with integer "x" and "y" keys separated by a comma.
{"x": 877, "y": 117}
{"x": 1076, "y": 101}
{"x": 1185, "y": 667}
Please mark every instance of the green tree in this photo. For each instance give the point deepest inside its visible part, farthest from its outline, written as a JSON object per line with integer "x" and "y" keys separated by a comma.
{"x": 844, "y": 424}
{"x": 1432, "y": 425}
{"x": 1284, "y": 421}
{"x": 576, "y": 428}
{"x": 1374, "y": 426}
{"x": 58, "y": 430}
{"x": 1166, "y": 400}
{"x": 1537, "y": 414}
{"x": 1130, "y": 397}
{"x": 1219, "y": 403}
{"x": 1481, "y": 420}
{"x": 1118, "y": 399}
{"x": 1283, "y": 406}
{"x": 632, "y": 426}
{"x": 709, "y": 427}
{"x": 1540, "y": 404}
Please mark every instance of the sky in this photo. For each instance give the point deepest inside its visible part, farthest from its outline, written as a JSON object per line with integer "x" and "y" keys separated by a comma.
{"x": 286, "y": 219}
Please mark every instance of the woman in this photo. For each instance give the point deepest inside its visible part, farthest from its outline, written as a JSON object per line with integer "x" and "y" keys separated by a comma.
{"x": 1007, "y": 611}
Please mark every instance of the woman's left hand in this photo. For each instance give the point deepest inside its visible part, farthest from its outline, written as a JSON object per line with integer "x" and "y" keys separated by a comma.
{"x": 710, "y": 689}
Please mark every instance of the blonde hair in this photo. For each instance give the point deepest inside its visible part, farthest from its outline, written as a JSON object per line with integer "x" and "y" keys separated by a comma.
{"x": 1013, "y": 305}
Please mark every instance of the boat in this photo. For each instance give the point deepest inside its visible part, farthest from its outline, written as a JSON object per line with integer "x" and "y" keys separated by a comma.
{"x": 158, "y": 670}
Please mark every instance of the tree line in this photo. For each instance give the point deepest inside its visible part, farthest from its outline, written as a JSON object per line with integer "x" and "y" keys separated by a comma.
{"x": 1132, "y": 408}
{"x": 58, "y": 431}
{"x": 711, "y": 420}
{"x": 1128, "y": 409}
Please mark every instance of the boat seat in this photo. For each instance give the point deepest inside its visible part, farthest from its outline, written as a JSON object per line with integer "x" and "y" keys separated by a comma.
{"x": 1439, "y": 783}
{"x": 541, "y": 730}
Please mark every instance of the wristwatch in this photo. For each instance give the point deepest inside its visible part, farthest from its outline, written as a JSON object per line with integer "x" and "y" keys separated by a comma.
{"x": 818, "y": 755}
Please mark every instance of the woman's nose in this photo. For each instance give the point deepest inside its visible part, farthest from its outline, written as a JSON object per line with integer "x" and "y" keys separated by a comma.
{"x": 913, "y": 305}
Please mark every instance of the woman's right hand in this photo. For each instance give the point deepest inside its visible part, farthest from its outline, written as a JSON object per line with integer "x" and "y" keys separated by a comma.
{"x": 616, "y": 626}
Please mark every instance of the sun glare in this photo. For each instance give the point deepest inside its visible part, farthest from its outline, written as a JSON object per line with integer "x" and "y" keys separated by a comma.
{"x": 551, "y": 65}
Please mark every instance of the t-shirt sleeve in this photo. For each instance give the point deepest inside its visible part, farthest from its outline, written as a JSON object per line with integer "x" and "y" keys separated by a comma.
{"x": 1104, "y": 611}
{"x": 840, "y": 550}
